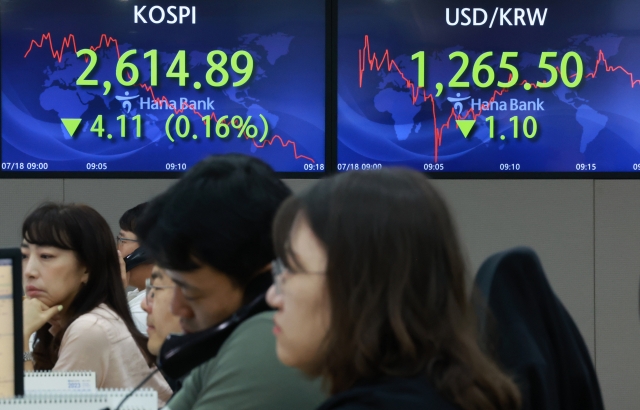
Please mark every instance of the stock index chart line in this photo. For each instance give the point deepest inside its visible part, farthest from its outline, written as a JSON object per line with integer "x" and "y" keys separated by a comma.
{"x": 368, "y": 58}
{"x": 106, "y": 41}
{"x": 66, "y": 43}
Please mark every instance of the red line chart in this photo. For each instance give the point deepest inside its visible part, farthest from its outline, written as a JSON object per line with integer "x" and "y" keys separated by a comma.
{"x": 69, "y": 42}
{"x": 601, "y": 59}
{"x": 66, "y": 43}
{"x": 368, "y": 58}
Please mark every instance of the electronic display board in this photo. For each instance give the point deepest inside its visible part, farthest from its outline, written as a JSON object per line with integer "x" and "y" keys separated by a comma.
{"x": 11, "y": 343}
{"x": 113, "y": 86}
{"x": 466, "y": 87}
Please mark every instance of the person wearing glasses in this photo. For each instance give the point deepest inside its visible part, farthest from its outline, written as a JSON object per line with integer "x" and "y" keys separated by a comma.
{"x": 211, "y": 233}
{"x": 129, "y": 246}
{"x": 157, "y": 303}
{"x": 160, "y": 321}
{"x": 370, "y": 291}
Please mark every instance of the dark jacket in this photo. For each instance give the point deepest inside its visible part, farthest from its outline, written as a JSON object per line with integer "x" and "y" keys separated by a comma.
{"x": 534, "y": 336}
{"x": 389, "y": 394}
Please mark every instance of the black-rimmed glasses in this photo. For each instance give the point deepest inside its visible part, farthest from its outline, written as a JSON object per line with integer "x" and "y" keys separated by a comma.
{"x": 151, "y": 289}
{"x": 121, "y": 239}
{"x": 278, "y": 269}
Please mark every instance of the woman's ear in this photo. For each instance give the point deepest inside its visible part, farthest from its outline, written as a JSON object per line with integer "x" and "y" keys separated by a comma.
{"x": 85, "y": 278}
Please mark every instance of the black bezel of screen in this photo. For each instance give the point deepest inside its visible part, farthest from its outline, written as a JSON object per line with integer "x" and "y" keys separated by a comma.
{"x": 331, "y": 135}
{"x": 534, "y": 175}
{"x": 330, "y": 128}
{"x": 16, "y": 278}
{"x": 449, "y": 175}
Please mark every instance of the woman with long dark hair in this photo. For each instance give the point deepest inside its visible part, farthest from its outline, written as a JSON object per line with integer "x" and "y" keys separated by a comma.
{"x": 370, "y": 292}
{"x": 75, "y": 302}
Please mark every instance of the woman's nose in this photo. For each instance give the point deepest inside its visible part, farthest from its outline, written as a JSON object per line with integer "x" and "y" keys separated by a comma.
{"x": 29, "y": 269}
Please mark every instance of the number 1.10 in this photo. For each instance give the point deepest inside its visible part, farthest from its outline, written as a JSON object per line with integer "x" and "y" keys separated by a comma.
{"x": 529, "y": 127}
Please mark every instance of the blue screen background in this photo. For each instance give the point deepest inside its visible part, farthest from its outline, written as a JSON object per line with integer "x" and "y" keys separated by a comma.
{"x": 597, "y": 123}
{"x": 286, "y": 38}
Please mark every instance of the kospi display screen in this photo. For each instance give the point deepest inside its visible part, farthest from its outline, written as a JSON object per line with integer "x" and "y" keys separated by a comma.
{"x": 488, "y": 86}
{"x": 129, "y": 86}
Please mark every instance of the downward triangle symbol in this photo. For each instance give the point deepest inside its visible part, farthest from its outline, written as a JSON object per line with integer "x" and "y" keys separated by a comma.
{"x": 71, "y": 124}
{"x": 465, "y": 126}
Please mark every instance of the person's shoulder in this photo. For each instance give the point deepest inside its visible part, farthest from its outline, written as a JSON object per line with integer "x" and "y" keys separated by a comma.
{"x": 234, "y": 378}
{"x": 255, "y": 324}
{"x": 252, "y": 337}
{"x": 251, "y": 349}
{"x": 389, "y": 393}
{"x": 263, "y": 318}
{"x": 88, "y": 330}
{"x": 249, "y": 332}
{"x": 94, "y": 317}
{"x": 99, "y": 321}
{"x": 136, "y": 298}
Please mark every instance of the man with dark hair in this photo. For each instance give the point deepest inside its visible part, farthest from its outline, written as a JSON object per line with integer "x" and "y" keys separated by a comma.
{"x": 138, "y": 264}
{"x": 211, "y": 232}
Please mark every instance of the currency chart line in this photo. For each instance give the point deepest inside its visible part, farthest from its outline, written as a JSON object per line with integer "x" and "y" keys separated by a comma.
{"x": 608, "y": 69}
{"x": 365, "y": 56}
{"x": 105, "y": 40}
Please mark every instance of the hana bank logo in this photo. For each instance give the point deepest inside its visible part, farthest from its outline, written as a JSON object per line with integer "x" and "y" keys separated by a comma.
{"x": 126, "y": 101}
{"x": 457, "y": 102}
{"x": 148, "y": 103}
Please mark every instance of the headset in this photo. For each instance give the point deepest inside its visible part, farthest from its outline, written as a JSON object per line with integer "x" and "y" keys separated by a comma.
{"x": 182, "y": 353}
{"x": 137, "y": 258}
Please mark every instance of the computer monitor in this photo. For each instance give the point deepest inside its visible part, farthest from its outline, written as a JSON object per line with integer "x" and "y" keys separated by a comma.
{"x": 489, "y": 88}
{"x": 11, "y": 363}
{"x": 119, "y": 88}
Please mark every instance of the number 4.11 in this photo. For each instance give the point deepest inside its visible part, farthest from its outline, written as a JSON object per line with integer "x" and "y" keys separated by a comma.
{"x": 98, "y": 126}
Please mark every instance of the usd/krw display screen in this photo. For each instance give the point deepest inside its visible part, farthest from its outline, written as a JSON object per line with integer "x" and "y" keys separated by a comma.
{"x": 108, "y": 86}
{"x": 489, "y": 86}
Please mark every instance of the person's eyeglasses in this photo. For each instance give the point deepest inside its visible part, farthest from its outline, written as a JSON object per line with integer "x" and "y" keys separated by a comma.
{"x": 278, "y": 270}
{"x": 151, "y": 290}
{"x": 120, "y": 240}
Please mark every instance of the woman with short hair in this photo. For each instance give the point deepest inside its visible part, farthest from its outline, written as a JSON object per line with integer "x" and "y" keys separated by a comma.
{"x": 370, "y": 292}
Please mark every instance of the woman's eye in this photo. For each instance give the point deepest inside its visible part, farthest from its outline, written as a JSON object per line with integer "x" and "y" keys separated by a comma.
{"x": 46, "y": 256}
{"x": 24, "y": 256}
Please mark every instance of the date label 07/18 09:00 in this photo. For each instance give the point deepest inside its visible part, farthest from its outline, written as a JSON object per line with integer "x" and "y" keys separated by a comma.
{"x": 358, "y": 167}
{"x": 22, "y": 166}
